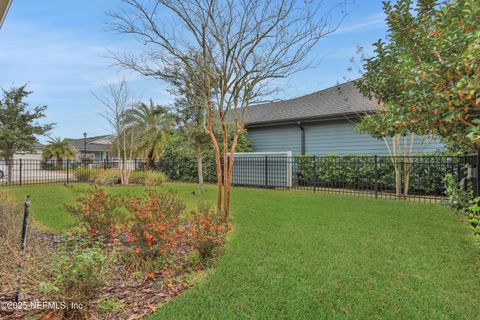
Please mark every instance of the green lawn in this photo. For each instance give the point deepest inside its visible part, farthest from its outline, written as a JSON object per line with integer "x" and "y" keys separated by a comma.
{"x": 297, "y": 255}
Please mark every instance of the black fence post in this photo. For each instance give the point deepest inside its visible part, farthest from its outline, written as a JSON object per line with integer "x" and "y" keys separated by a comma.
{"x": 22, "y": 246}
{"x": 375, "y": 176}
{"x": 464, "y": 175}
{"x": 68, "y": 171}
{"x": 314, "y": 165}
{"x": 20, "y": 171}
{"x": 266, "y": 171}
{"x": 477, "y": 175}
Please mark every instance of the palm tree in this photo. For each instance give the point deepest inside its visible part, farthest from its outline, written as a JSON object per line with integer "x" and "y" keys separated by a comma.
{"x": 153, "y": 123}
{"x": 59, "y": 149}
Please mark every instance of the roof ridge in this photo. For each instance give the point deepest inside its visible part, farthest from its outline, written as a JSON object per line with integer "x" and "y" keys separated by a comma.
{"x": 305, "y": 95}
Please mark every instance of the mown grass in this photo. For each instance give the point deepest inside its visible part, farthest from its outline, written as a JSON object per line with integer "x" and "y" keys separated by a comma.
{"x": 48, "y": 202}
{"x": 295, "y": 255}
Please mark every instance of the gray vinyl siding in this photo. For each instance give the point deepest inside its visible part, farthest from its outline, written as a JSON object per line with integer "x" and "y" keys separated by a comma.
{"x": 327, "y": 137}
{"x": 276, "y": 139}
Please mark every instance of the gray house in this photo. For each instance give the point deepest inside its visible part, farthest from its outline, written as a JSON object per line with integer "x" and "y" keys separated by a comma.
{"x": 94, "y": 148}
{"x": 322, "y": 122}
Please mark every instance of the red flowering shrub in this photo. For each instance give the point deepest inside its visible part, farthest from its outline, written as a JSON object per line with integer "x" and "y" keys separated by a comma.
{"x": 98, "y": 211}
{"x": 154, "y": 228}
{"x": 207, "y": 232}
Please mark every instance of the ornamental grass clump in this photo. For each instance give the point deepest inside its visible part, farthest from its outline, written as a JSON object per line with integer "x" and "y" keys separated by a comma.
{"x": 148, "y": 178}
{"x": 108, "y": 177}
{"x": 85, "y": 174}
{"x": 37, "y": 253}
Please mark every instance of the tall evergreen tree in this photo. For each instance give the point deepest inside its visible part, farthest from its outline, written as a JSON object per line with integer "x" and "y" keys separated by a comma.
{"x": 19, "y": 126}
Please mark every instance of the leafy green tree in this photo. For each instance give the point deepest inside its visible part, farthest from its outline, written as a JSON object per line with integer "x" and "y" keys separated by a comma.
{"x": 426, "y": 75}
{"x": 19, "y": 126}
{"x": 59, "y": 149}
{"x": 152, "y": 123}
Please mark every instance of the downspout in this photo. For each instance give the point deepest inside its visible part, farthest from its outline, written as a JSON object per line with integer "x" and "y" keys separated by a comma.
{"x": 302, "y": 138}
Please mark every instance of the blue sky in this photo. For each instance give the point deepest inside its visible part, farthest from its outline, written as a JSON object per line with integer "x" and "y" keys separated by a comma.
{"x": 60, "y": 48}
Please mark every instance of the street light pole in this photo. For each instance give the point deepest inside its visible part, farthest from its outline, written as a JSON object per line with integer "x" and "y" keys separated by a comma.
{"x": 85, "y": 147}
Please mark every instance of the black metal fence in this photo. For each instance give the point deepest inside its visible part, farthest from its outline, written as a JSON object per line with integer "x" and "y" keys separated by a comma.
{"x": 415, "y": 177}
{"x": 24, "y": 172}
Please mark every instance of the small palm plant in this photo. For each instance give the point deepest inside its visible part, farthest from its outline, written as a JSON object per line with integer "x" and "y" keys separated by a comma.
{"x": 59, "y": 149}
{"x": 153, "y": 123}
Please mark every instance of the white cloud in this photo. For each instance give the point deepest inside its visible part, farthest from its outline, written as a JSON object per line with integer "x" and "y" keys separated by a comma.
{"x": 371, "y": 22}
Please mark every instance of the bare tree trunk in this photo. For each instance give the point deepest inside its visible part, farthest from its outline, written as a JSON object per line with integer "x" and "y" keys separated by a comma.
{"x": 408, "y": 164}
{"x": 150, "y": 161}
{"x": 394, "y": 153}
{"x": 398, "y": 179}
{"x": 406, "y": 176}
{"x": 201, "y": 186}
{"x": 9, "y": 164}
{"x": 230, "y": 174}
{"x": 216, "y": 152}
{"x": 226, "y": 180}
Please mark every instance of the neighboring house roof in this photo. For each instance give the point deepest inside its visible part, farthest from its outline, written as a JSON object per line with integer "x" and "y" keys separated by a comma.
{"x": 4, "y": 5}
{"x": 97, "y": 143}
{"x": 339, "y": 101}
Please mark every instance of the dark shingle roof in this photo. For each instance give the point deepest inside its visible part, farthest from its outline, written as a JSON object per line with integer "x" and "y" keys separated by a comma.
{"x": 340, "y": 100}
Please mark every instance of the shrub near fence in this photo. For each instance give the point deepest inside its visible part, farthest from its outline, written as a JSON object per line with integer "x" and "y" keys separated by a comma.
{"x": 353, "y": 174}
{"x": 426, "y": 173}
{"x": 185, "y": 169}
{"x": 373, "y": 175}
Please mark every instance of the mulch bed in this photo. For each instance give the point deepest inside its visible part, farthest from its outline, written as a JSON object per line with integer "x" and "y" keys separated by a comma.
{"x": 137, "y": 297}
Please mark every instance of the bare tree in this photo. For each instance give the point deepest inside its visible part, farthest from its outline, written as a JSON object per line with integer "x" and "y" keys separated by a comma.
{"x": 117, "y": 99}
{"x": 232, "y": 51}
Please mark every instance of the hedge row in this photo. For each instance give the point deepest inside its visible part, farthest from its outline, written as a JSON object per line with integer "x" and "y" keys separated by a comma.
{"x": 359, "y": 172}
{"x": 347, "y": 171}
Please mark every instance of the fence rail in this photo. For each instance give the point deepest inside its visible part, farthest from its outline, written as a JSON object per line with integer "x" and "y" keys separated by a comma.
{"x": 24, "y": 172}
{"x": 415, "y": 177}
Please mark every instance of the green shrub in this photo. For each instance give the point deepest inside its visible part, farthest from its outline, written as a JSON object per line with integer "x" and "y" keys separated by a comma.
{"x": 473, "y": 216}
{"x": 85, "y": 174}
{"x": 456, "y": 197}
{"x": 108, "y": 177}
{"x": 185, "y": 168}
{"x": 109, "y": 306}
{"x": 77, "y": 273}
{"x": 358, "y": 172}
{"x": 148, "y": 178}
{"x": 462, "y": 200}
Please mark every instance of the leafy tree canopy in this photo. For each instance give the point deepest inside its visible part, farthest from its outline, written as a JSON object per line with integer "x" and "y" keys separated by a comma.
{"x": 426, "y": 74}
{"x": 19, "y": 126}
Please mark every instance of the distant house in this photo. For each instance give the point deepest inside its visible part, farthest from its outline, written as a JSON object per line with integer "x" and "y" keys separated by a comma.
{"x": 36, "y": 154}
{"x": 322, "y": 122}
{"x": 93, "y": 148}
